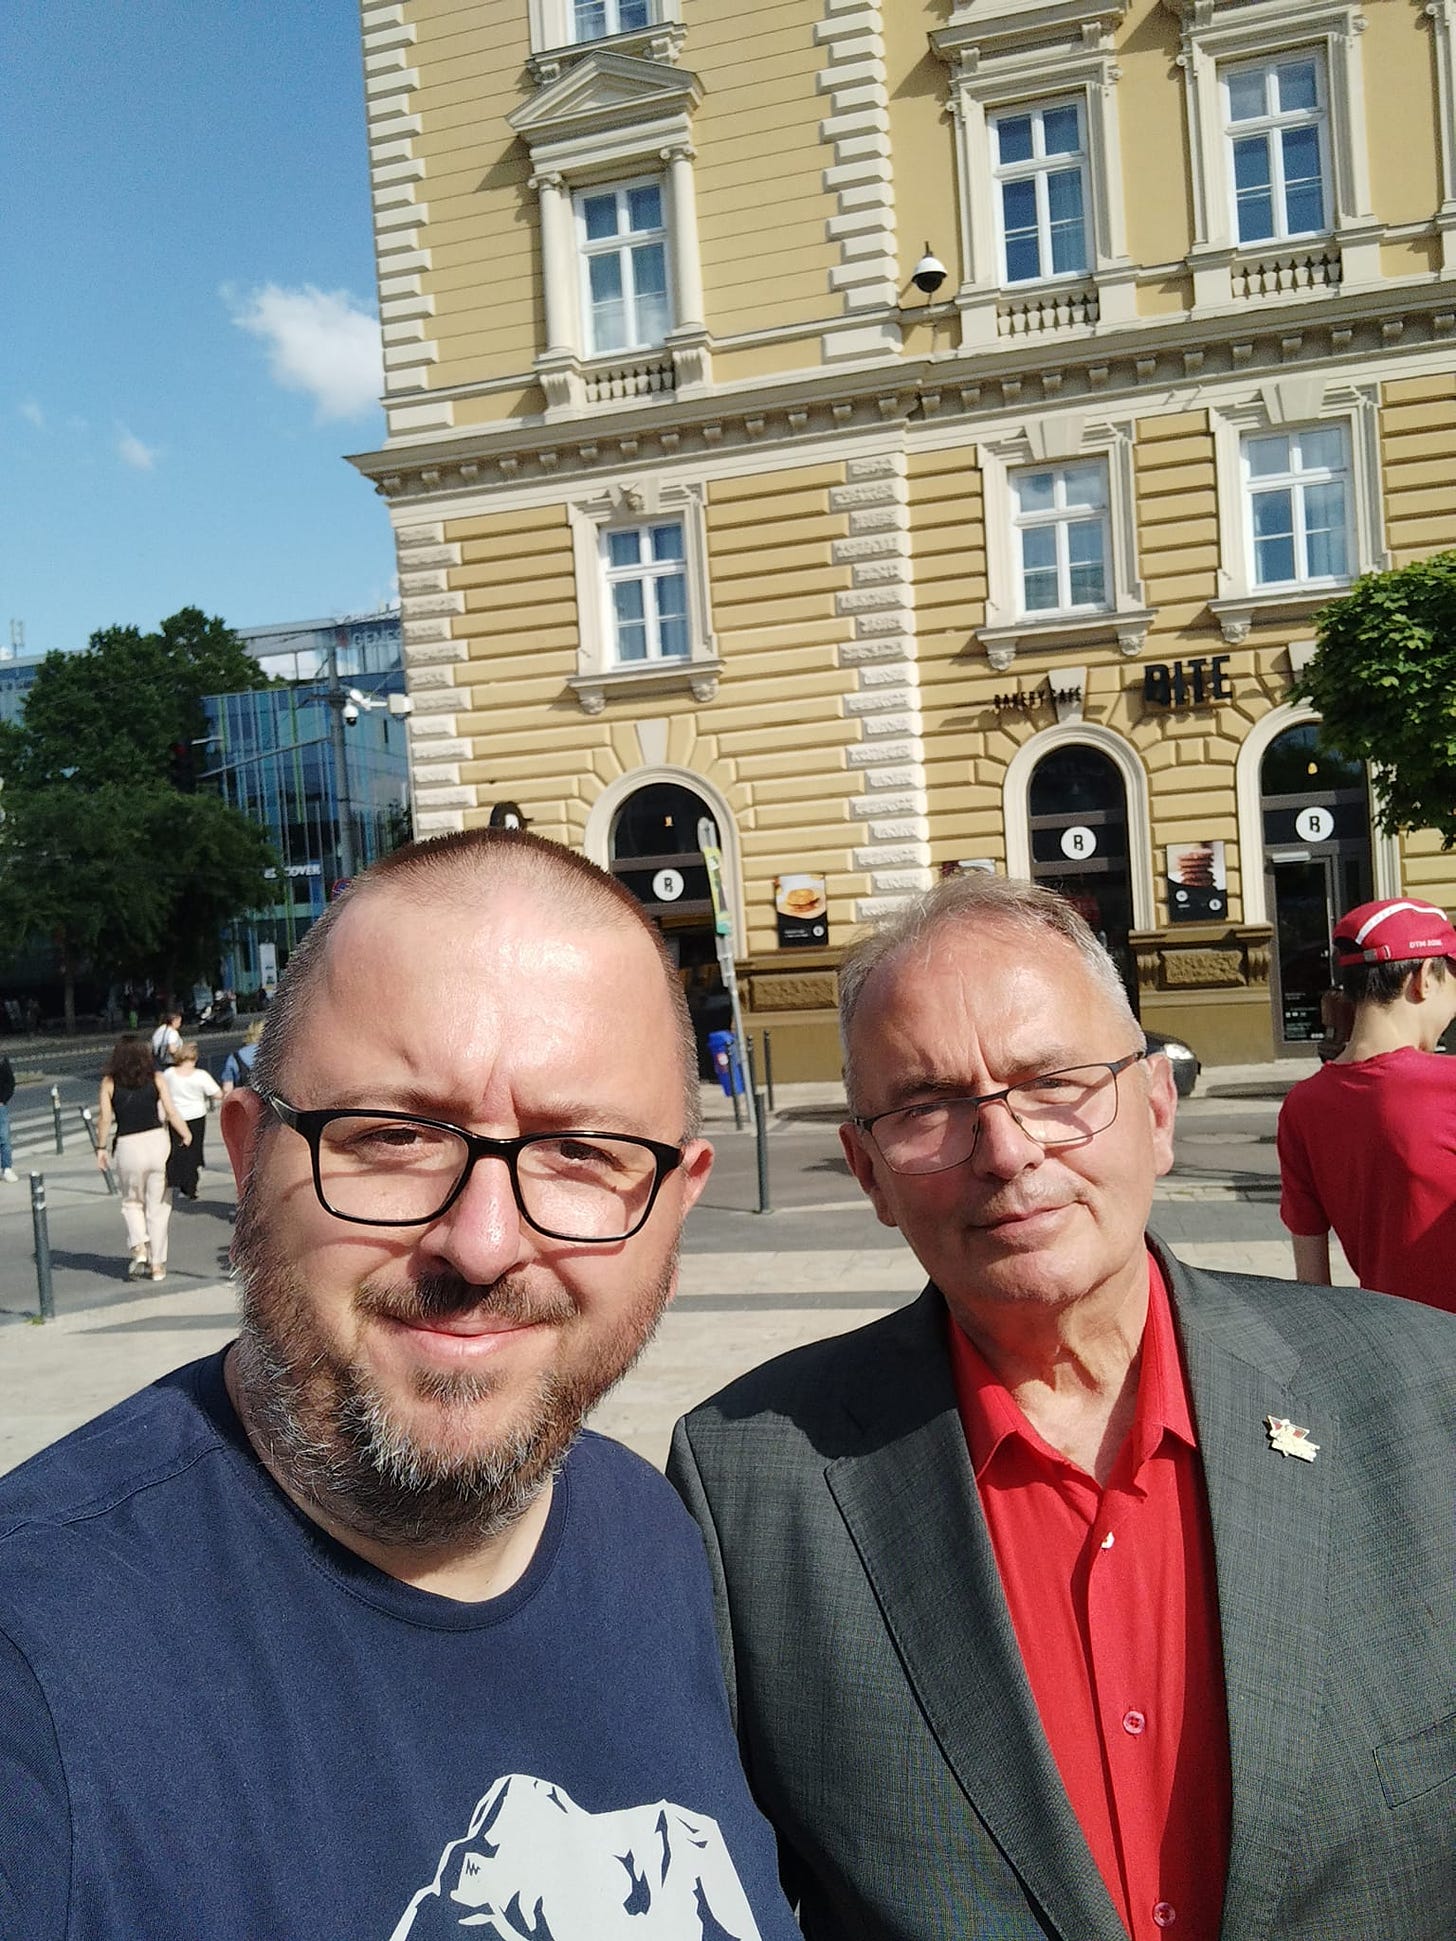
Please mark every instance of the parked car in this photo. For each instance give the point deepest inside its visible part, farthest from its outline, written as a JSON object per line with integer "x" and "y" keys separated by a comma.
{"x": 1183, "y": 1058}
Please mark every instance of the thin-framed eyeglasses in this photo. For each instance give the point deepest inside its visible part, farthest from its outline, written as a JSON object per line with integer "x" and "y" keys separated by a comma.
{"x": 1062, "y": 1108}
{"x": 394, "y": 1169}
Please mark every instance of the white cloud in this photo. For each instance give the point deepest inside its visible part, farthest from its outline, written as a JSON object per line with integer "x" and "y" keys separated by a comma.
{"x": 131, "y": 451}
{"x": 320, "y": 342}
{"x": 32, "y": 414}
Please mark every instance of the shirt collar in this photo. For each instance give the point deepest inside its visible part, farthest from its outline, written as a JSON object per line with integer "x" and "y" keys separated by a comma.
{"x": 990, "y": 1415}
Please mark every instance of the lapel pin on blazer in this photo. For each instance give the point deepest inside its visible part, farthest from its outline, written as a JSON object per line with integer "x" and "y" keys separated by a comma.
{"x": 1289, "y": 1439}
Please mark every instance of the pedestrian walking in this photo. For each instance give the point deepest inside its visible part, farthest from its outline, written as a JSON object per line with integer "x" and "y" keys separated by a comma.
{"x": 7, "y": 1093}
{"x": 194, "y": 1091}
{"x": 166, "y": 1040}
{"x": 135, "y": 1101}
{"x": 238, "y": 1067}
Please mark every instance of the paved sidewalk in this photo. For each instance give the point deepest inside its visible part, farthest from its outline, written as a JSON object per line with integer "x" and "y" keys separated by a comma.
{"x": 751, "y": 1285}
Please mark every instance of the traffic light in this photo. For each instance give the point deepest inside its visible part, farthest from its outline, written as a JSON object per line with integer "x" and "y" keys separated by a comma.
{"x": 182, "y": 767}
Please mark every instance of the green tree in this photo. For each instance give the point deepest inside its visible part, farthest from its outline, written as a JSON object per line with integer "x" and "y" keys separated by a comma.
{"x": 100, "y": 854}
{"x": 1383, "y": 677}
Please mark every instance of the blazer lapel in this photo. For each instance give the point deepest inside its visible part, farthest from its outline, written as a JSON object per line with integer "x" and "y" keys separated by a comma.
{"x": 910, "y": 1503}
{"x": 1271, "y": 1517}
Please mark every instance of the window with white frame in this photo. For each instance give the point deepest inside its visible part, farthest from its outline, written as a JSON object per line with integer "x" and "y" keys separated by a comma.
{"x": 1298, "y": 502}
{"x": 596, "y": 19}
{"x": 1277, "y": 126}
{"x": 1040, "y": 165}
{"x": 647, "y": 592}
{"x": 622, "y": 237}
{"x": 1063, "y": 538}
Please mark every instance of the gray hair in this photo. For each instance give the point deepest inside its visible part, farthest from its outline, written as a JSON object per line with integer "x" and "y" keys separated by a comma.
{"x": 466, "y": 863}
{"x": 972, "y": 899}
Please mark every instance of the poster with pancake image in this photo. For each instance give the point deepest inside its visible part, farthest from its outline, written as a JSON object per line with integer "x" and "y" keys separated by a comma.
{"x": 801, "y": 904}
{"x": 1197, "y": 882}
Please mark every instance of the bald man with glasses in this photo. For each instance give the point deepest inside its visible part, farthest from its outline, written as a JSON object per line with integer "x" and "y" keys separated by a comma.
{"x": 1090, "y": 1596}
{"x": 349, "y": 1633}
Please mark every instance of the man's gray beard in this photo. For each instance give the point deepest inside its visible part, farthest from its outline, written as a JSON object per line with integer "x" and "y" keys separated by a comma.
{"x": 328, "y": 1431}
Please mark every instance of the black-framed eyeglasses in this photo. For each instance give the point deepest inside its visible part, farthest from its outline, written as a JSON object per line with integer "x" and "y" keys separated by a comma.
{"x": 392, "y": 1169}
{"x": 1062, "y": 1108}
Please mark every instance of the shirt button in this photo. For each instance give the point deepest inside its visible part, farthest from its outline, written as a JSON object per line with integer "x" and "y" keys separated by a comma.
{"x": 1134, "y": 1722}
{"x": 1165, "y": 1914}
{"x": 1108, "y": 1541}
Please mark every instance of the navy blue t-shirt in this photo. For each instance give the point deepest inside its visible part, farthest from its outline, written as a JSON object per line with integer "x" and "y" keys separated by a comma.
{"x": 217, "y": 1724}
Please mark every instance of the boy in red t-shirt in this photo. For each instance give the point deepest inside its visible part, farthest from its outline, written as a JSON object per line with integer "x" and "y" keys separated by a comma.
{"x": 1368, "y": 1144}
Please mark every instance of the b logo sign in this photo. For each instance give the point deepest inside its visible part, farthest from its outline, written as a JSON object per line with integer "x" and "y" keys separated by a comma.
{"x": 1314, "y": 825}
{"x": 1078, "y": 843}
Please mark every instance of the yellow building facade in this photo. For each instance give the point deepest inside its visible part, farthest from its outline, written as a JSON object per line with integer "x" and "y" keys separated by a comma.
{"x": 917, "y": 435}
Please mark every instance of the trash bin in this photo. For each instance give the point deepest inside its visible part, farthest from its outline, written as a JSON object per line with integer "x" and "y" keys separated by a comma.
{"x": 728, "y": 1068}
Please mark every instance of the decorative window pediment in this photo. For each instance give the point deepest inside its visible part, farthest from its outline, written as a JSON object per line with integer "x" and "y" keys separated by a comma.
{"x": 981, "y": 28}
{"x": 604, "y": 93}
{"x": 614, "y": 121}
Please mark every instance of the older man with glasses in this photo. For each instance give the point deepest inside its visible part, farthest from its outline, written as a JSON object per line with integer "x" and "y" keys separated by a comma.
{"x": 1090, "y": 1596}
{"x": 349, "y": 1631}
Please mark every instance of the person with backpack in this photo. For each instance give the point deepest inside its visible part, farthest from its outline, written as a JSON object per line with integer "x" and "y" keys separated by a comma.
{"x": 238, "y": 1066}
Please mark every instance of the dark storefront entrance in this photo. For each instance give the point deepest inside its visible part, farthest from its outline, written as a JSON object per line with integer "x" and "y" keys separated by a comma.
{"x": 655, "y": 855}
{"x": 1077, "y": 804}
{"x": 1316, "y": 812}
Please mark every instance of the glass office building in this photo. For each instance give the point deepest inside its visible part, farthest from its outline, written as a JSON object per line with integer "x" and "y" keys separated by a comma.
{"x": 290, "y": 761}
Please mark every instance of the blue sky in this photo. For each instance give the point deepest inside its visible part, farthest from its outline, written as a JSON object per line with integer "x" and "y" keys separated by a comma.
{"x": 188, "y": 345}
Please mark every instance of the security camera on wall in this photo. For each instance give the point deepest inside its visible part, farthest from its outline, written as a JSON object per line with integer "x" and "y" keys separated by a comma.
{"x": 351, "y": 714}
{"x": 928, "y": 274}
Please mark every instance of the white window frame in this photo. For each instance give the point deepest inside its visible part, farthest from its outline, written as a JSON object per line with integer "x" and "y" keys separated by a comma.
{"x": 1032, "y": 53}
{"x": 1059, "y": 519}
{"x": 1217, "y": 38}
{"x": 554, "y": 43}
{"x": 646, "y": 571}
{"x": 1054, "y": 443}
{"x": 1297, "y": 481}
{"x": 621, "y": 245}
{"x": 1271, "y": 126}
{"x": 1036, "y": 171}
{"x": 1305, "y": 402}
{"x": 640, "y": 504}
{"x": 612, "y": 19}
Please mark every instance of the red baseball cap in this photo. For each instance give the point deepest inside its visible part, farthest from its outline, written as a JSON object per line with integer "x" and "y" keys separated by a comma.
{"x": 1393, "y": 932}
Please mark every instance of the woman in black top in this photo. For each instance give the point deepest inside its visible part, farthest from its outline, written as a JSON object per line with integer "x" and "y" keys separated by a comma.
{"x": 136, "y": 1102}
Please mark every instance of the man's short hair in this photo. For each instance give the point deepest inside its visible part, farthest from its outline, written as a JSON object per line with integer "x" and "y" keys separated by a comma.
{"x": 1382, "y": 984}
{"x": 973, "y": 900}
{"x": 439, "y": 866}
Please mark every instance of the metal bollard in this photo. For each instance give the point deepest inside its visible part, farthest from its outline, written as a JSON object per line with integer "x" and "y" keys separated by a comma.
{"x": 89, "y": 1123}
{"x": 761, "y": 1142}
{"x": 56, "y": 1115}
{"x": 735, "y": 1083}
{"x": 42, "y": 1247}
{"x": 768, "y": 1068}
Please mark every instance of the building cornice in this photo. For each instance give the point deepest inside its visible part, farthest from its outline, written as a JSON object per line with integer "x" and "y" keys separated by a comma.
{"x": 945, "y": 390}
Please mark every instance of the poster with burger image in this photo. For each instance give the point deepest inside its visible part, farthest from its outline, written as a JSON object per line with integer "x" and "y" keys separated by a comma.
{"x": 801, "y": 905}
{"x": 1197, "y": 882}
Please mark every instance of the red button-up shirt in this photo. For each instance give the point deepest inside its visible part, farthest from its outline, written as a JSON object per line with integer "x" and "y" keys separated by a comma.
{"x": 1114, "y": 1602}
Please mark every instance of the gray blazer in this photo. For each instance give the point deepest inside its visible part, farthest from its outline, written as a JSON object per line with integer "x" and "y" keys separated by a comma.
{"x": 883, "y": 1711}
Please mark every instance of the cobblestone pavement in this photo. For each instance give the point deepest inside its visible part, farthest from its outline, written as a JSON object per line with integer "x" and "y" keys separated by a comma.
{"x": 752, "y": 1284}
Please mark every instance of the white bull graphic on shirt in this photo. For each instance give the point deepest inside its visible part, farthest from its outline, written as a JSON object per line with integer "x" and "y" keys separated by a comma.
{"x": 534, "y": 1866}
